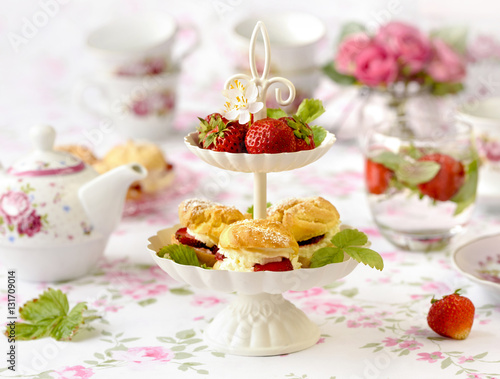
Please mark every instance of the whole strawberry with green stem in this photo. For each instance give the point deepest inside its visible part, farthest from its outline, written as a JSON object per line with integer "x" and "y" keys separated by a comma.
{"x": 208, "y": 124}
{"x": 452, "y": 316}
{"x": 270, "y": 136}
{"x": 304, "y": 139}
{"x": 228, "y": 138}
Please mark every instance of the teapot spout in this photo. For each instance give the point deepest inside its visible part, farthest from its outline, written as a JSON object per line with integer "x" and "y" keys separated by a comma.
{"x": 103, "y": 198}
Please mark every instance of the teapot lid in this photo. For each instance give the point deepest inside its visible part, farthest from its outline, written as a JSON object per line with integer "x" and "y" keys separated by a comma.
{"x": 44, "y": 160}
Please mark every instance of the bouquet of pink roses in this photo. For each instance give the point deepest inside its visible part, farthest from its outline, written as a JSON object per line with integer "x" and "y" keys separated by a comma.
{"x": 399, "y": 53}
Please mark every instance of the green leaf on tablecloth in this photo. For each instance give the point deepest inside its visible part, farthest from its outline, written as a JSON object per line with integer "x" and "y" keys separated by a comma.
{"x": 49, "y": 316}
{"x": 181, "y": 291}
{"x": 202, "y": 372}
{"x": 378, "y": 349}
{"x": 185, "y": 334}
{"x": 404, "y": 352}
{"x": 276, "y": 113}
{"x": 91, "y": 362}
{"x": 166, "y": 339}
{"x": 192, "y": 340}
{"x": 370, "y": 345}
{"x": 183, "y": 368}
{"x": 218, "y": 354}
{"x": 350, "y": 292}
{"x": 340, "y": 319}
{"x": 146, "y": 302}
{"x": 446, "y": 363}
{"x": 437, "y": 338}
{"x": 129, "y": 339}
{"x": 178, "y": 348}
{"x": 319, "y": 134}
{"x": 179, "y": 253}
{"x": 99, "y": 356}
{"x": 106, "y": 333}
{"x": 479, "y": 356}
{"x": 200, "y": 348}
{"x": 182, "y": 355}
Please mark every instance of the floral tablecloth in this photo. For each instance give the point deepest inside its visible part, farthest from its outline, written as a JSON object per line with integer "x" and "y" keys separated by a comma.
{"x": 373, "y": 324}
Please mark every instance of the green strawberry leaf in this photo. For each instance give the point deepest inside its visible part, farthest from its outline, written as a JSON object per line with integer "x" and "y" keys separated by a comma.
{"x": 414, "y": 173}
{"x": 388, "y": 159}
{"x": 49, "y": 316}
{"x": 466, "y": 195}
{"x": 182, "y": 254}
{"x": 349, "y": 237}
{"x": 325, "y": 256}
{"x": 350, "y": 242}
{"x": 366, "y": 256}
{"x": 330, "y": 71}
{"x": 276, "y": 113}
{"x": 309, "y": 110}
{"x": 319, "y": 134}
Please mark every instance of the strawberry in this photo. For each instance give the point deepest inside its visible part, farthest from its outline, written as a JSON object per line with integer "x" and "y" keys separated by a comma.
{"x": 283, "y": 265}
{"x": 228, "y": 138}
{"x": 377, "y": 177}
{"x": 269, "y": 136}
{"x": 447, "y": 181}
{"x": 452, "y": 316}
{"x": 183, "y": 237}
{"x": 210, "y": 122}
{"x": 304, "y": 139}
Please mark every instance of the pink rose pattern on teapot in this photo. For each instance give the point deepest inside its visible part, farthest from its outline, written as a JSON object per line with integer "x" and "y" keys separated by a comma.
{"x": 18, "y": 214}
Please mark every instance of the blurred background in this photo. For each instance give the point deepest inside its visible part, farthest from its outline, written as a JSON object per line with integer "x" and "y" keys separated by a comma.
{"x": 43, "y": 53}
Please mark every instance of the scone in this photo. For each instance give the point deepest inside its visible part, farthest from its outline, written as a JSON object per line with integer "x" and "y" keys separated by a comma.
{"x": 257, "y": 245}
{"x": 313, "y": 221}
{"x": 160, "y": 172}
{"x": 79, "y": 151}
{"x": 202, "y": 224}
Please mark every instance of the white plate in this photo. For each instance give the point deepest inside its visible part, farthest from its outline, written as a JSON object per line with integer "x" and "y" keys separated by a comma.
{"x": 249, "y": 283}
{"x": 258, "y": 162}
{"x": 479, "y": 260}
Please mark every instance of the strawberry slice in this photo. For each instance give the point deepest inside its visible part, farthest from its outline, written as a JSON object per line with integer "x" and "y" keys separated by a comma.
{"x": 377, "y": 177}
{"x": 448, "y": 180}
{"x": 183, "y": 237}
{"x": 283, "y": 265}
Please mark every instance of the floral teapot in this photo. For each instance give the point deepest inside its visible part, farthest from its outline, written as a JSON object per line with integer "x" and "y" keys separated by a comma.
{"x": 56, "y": 212}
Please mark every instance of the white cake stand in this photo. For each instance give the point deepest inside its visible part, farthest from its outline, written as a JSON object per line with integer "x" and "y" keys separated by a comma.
{"x": 260, "y": 321}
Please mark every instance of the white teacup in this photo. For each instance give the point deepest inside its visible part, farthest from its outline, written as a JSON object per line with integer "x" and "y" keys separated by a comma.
{"x": 139, "y": 107}
{"x": 295, "y": 40}
{"x": 484, "y": 115}
{"x": 141, "y": 44}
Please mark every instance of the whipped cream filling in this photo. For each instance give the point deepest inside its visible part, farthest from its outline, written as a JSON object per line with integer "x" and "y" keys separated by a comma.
{"x": 245, "y": 259}
{"x": 201, "y": 237}
{"x": 307, "y": 251}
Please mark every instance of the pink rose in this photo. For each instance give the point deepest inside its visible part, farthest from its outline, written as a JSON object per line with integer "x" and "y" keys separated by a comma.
{"x": 349, "y": 49}
{"x": 407, "y": 43}
{"x": 30, "y": 225}
{"x": 376, "y": 66}
{"x": 13, "y": 206}
{"x": 446, "y": 66}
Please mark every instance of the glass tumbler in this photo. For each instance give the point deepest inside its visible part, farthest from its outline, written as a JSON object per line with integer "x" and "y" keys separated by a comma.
{"x": 421, "y": 178}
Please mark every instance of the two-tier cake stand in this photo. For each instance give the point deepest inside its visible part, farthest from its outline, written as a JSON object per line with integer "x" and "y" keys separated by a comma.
{"x": 259, "y": 322}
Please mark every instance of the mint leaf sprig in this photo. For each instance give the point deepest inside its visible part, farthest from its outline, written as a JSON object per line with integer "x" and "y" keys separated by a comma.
{"x": 49, "y": 316}
{"x": 308, "y": 111}
{"x": 182, "y": 254}
{"x": 350, "y": 242}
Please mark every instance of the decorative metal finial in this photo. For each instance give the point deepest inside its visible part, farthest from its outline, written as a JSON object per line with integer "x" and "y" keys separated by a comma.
{"x": 262, "y": 82}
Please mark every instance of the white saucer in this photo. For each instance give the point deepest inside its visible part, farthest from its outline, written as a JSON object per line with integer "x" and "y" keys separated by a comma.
{"x": 479, "y": 260}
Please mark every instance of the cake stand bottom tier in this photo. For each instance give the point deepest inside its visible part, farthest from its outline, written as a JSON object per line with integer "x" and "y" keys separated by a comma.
{"x": 261, "y": 325}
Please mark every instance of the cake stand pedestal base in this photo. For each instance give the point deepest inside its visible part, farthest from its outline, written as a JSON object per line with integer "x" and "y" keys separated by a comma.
{"x": 261, "y": 325}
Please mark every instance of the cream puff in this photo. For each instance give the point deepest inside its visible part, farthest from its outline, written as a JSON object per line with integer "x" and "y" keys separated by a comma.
{"x": 202, "y": 224}
{"x": 160, "y": 171}
{"x": 257, "y": 245}
{"x": 313, "y": 221}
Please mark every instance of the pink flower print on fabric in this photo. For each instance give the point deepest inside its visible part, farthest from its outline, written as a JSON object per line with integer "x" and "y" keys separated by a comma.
{"x": 389, "y": 341}
{"x": 144, "y": 355}
{"x": 312, "y": 292}
{"x": 324, "y": 307}
{"x": 436, "y": 287}
{"x": 410, "y": 345}
{"x": 14, "y": 206}
{"x": 144, "y": 291}
{"x": 463, "y": 359}
{"x": 430, "y": 357}
{"x": 75, "y": 372}
{"x": 206, "y": 301}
